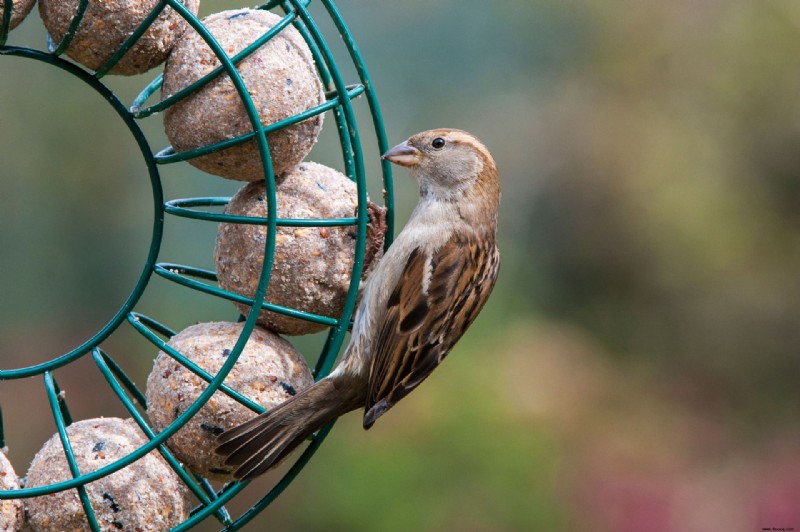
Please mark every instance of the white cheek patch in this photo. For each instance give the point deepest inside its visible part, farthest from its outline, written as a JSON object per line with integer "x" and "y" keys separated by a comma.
{"x": 462, "y": 169}
{"x": 473, "y": 167}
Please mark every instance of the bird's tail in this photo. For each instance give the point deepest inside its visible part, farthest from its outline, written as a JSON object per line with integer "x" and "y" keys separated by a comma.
{"x": 258, "y": 444}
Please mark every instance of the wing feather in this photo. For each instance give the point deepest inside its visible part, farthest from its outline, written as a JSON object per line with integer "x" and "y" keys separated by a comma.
{"x": 436, "y": 298}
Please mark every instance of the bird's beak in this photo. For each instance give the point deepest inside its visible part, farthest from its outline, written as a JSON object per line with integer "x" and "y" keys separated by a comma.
{"x": 403, "y": 154}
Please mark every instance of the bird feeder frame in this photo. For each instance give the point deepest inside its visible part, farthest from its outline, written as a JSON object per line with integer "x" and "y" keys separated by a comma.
{"x": 338, "y": 98}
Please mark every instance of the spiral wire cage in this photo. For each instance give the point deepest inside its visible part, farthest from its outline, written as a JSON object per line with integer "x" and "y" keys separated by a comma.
{"x": 339, "y": 95}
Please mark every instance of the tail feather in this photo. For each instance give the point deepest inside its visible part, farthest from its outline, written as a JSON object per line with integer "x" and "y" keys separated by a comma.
{"x": 262, "y": 442}
{"x": 242, "y": 442}
{"x": 279, "y": 447}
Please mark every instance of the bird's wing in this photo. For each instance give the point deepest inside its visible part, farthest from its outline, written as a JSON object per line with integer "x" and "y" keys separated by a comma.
{"x": 437, "y": 297}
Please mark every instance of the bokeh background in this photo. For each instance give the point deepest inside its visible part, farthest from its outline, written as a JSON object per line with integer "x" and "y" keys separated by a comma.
{"x": 637, "y": 366}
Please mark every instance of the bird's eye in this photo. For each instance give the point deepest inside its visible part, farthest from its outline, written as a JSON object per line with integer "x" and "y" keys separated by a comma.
{"x": 438, "y": 143}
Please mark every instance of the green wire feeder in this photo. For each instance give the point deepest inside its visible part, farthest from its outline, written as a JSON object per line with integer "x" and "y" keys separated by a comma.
{"x": 338, "y": 95}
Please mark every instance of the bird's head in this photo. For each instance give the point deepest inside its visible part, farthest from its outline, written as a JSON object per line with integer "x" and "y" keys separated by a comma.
{"x": 446, "y": 162}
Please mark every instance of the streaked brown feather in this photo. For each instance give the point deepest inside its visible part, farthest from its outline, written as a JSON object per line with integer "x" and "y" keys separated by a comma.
{"x": 436, "y": 299}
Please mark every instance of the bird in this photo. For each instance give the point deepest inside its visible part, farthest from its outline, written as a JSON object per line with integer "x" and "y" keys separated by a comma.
{"x": 419, "y": 300}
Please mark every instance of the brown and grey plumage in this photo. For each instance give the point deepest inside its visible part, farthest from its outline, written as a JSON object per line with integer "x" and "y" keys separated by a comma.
{"x": 419, "y": 300}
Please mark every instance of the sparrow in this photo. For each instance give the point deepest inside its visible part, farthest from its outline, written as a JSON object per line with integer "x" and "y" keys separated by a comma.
{"x": 420, "y": 299}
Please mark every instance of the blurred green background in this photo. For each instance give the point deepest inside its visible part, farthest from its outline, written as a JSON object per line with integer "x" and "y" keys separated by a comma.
{"x": 637, "y": 366}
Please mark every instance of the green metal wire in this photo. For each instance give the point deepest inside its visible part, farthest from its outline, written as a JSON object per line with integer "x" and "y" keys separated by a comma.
{"x": 182, "y": 207}
{"x": 130, "y": 41}
{"x": 158, "y": 217}
{"x": 375, "y": 111}
{"x": 167, "y": 155}
{"x": 201, "y": 490}
{"x": 62, "y": 403}
{"x": 324, "y": 367}
{"x": 339, "y": 97}
{"x": 194, "y": 368}
{"x": 60, "y": 48}
{"x": 325, "y": 76}
{"x": 58, "y": 408}
{"x": 176, "y": 273}
{"x": 5, "y": 21}
{"x": 214, "y": 74}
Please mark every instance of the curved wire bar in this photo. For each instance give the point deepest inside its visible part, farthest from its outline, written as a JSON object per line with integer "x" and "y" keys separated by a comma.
{"x": 58, "y": 408}
{"x": 158, "y": 216}
{"x": 325, "y": 76}
{"x": 130, "y": 41}
{"x": 375, "y": 111}
{"x": 178, "y": 274}
{"x": 5, "y": 20}
{"x": 327, "y": 359}
{"x": 60, "y": 48}
{"x": 168, "y": 155}
{"x": 183, "y": 208}
{"x": 211, "y": 76}
{"x": 137, "y": 108}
